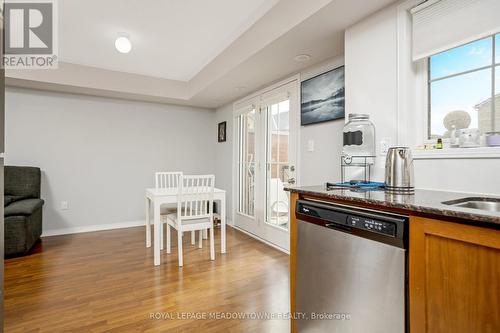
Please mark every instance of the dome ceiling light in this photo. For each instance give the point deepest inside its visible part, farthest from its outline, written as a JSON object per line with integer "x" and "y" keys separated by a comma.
{"x": 123, "y": 44}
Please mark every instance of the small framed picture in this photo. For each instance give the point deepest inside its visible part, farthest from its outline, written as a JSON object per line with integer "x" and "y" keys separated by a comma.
{"x": 221, "y": 133}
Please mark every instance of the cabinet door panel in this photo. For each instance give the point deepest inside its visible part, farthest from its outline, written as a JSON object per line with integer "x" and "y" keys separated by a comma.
{"x": 454, "y": 277}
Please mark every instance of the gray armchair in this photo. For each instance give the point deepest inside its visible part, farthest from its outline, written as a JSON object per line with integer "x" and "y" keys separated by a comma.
{"x": 23, "y": 209}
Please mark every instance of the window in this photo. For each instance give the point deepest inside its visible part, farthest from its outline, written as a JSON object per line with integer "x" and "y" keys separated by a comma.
{"x": 278, "y": 164}
{"x": 497, "y": 51}
{"x": 246, "y": 160}
{"x": 464, "y": 88}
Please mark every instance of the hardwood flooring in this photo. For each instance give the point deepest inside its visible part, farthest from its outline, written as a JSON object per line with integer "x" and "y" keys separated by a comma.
{"x": 106, "y": 282}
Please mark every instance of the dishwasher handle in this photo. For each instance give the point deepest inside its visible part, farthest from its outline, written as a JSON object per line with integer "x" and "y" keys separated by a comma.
{"x": 338, "y": 227}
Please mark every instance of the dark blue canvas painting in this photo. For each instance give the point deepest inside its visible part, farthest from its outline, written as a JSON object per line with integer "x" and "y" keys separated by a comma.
{"x": 323, "y": 97}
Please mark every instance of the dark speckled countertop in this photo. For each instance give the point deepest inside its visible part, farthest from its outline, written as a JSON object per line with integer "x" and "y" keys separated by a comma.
{"x": 423, "y": 202}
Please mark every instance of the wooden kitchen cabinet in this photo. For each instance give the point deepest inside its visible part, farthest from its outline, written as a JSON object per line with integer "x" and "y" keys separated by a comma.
{"x": 293, "y": 258}
{"x": 454, "y": 277}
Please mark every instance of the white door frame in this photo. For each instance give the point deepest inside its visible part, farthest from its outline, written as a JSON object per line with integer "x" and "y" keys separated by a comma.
{"x": 253, "y": 101}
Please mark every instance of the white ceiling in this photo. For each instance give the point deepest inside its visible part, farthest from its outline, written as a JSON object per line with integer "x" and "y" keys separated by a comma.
{"x": 321, "y": 35}
{"x": 171, "y": 39}
{"x": 194, "y": 52}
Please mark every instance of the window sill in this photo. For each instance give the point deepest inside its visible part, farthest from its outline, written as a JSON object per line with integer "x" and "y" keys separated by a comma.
{"x": 457, "y": 153}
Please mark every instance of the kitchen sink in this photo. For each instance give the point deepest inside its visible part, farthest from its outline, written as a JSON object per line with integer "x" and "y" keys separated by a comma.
{"x": 483, "y": 203}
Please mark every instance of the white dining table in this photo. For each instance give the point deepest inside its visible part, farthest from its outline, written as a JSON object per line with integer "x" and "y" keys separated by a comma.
{"x": 157, "y": 197}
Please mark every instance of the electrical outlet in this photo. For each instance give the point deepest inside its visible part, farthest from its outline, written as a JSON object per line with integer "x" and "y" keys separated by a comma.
{"x": 384, "y": 146}
{"x": 64, "y": 205}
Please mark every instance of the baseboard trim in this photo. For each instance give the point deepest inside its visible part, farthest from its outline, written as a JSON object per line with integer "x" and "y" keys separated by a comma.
{"x": 101, "y": 227}
{"x": 261, "y": 240}
{"x": 92, "y": 228}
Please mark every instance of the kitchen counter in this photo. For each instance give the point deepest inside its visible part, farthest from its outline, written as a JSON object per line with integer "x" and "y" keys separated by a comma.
{"x": 423, "y": 202}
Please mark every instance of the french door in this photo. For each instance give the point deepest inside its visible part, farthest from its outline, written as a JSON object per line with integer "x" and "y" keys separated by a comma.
{"x": 267, "y": 130}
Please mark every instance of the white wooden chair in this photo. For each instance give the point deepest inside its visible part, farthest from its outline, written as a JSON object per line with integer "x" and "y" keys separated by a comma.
{"x": 194, "y": 211}
{"x": 166, "y": 180}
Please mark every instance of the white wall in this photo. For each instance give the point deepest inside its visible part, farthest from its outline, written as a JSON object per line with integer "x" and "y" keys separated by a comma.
{"x": 322, "y": 164}
{"x": 371, "y": 57}
{"x": 462, "y": 175}
{"x": 371, "y": 75}
{"x": 224, "y": 157}
{"x": 315, "y": 167}
{"x": 100, "y": 154}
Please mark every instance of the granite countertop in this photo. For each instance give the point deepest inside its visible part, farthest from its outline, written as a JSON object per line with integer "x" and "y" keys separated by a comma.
{"x": 423, "y": 201}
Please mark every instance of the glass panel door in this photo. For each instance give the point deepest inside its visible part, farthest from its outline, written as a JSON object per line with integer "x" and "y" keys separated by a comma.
{"x": 266, "y": 154}
{"x": 277, "y": 164}
{"x": 246, "y": 170}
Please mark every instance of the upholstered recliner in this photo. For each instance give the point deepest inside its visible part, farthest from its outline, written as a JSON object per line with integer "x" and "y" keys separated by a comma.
{"x": 23, "y": 209}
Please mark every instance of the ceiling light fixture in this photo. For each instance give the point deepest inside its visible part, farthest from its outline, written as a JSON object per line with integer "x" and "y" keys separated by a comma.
{"x": 302, "y": 58}
{"x": 123, "y": 44}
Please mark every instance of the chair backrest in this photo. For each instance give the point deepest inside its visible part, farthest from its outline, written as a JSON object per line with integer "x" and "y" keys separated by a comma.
{"x": 167, "y": 179}
{"x": 21, "y": 181}
{"x": 196, "y": 197}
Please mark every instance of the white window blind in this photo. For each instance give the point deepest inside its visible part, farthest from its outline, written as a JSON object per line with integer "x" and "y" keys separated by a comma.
{"x": 439, "y": 25}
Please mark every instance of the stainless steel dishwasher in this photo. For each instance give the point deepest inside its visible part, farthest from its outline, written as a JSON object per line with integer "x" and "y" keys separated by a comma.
{"x": 351, "y": 269}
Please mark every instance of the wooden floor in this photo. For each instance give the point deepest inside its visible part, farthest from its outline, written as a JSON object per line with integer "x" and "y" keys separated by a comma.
{"x": 106, "y": 282}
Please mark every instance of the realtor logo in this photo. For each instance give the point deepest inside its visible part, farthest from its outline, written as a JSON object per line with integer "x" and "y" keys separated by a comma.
{"x": 30, "y": 34}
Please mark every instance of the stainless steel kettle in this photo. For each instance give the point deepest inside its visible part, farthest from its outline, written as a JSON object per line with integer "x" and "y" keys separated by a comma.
{"x": 399, "y": 171}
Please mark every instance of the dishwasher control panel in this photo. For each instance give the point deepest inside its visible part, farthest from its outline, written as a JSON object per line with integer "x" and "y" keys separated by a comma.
{"x": 381, "y": 227}
{"x": 351, "y": 218}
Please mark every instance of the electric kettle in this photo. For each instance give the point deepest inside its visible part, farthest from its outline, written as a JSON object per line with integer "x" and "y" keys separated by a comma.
{"x": 399, "y": 171}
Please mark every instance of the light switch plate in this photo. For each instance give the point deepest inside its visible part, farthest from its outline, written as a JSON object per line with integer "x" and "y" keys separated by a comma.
{"x": 310, "y": 145}
{"x": 64, "y": 205}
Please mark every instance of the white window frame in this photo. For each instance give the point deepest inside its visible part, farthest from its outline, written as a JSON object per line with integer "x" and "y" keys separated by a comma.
{"x": 238, "y": 113}
{"x": 422, "y": 92}
{"x": 493, "y": 66}
{"x": 258, "y": 99}
{"x": 255, "y": 100}
{"x": 413, "y": 99}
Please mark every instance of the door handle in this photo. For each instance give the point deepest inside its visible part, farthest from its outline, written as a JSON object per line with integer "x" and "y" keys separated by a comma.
{"x": 291, "y": 181}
